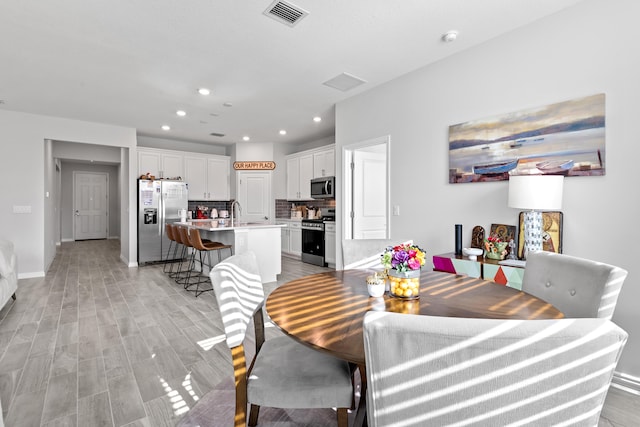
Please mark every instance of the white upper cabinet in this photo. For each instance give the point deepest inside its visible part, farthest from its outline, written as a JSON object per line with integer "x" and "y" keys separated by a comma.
{"x": 218, "y": 178}
{"x": 195, "y": 175}
{"x": 172, "y": 165}
{"x": 306, "y": 165}
{"x": 324, "y": 163}
{"x": 207, "y": 177}
{"x": 160, "y": 163}
{"x": 299, "y": 174}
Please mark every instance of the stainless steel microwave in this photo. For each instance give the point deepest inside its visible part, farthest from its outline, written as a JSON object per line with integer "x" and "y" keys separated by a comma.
{"x": 323, "y": 188}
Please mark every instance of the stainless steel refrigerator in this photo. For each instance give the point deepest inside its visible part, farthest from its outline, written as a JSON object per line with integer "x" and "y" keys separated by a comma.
{"x": 159, "y": 203}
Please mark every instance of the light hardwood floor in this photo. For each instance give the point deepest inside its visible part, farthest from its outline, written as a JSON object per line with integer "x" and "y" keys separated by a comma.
{"x": 95, "y": 343}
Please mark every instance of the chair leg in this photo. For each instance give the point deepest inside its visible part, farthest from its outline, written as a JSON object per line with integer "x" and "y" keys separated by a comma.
{"x": 178, "y": 274}
{"x": 253, "y": 415}
{"x": 175, "y": 260}
{"x": 343, "y": 420}
{"x": 201, "y": 277}
{"x": 166, "y": 260}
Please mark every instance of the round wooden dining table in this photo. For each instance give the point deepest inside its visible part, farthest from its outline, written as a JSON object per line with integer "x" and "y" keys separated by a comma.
{"x": 326, "y": 310}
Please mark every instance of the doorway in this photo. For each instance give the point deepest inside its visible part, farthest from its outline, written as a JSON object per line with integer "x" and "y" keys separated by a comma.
{"x": 91, "y": 205}
{"x": 366, "y": 198}
{"x": 254, "y": 195}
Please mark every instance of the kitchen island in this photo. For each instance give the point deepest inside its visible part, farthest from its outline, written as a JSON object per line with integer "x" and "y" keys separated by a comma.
{"x": 263, "y": 239}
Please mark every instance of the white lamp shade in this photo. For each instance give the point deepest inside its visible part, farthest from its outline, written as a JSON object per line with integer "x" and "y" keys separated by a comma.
{"x": 536, "y": 192}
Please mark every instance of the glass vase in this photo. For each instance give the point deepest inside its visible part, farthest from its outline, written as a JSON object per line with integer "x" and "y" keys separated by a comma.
{"x": 404, "y": 284}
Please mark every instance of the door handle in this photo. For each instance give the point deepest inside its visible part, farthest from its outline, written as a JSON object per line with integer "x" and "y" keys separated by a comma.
{"x": 77, "y": 212}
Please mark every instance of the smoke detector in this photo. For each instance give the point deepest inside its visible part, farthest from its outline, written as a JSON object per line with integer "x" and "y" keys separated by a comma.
{"x": 449, "y": 36}
{"x": 286, "y": 13}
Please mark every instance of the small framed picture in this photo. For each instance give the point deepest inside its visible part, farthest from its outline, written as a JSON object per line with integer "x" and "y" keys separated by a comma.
{"x": 551, "y": 233}
{"x": 506, "y": 233}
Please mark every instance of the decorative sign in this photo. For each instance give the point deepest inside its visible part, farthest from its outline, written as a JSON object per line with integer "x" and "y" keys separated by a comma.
{"x": 254, "y": 166}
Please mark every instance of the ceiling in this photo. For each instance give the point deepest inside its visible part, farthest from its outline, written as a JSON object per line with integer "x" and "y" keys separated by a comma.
{"x": 135, "y": 63}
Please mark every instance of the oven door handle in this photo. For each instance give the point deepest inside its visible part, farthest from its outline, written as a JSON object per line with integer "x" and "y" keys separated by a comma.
{"x": 312, "y": 228}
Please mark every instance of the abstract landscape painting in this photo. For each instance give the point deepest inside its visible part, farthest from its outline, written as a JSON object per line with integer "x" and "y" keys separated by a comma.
{"x": 566, "y": 138}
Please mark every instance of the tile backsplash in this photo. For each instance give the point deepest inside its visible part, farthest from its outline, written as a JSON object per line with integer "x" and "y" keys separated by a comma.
{"x": 283, "y": 206}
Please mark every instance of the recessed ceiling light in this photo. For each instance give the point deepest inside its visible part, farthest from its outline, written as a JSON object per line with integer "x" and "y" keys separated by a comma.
{"x": 166, "y": 127}
{"x": 245, "y": 138}
{"x": 449, "y": 36}
{"x": 181, "y": 113}
{"x": 317, "y": 119}
{"x": 204, "y": 91}
{"x": 283, "y": 132}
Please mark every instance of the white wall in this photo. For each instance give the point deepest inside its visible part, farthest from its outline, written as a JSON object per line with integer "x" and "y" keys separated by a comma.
{"x": 587, "y": 49}
{"x": 22, "y": 149}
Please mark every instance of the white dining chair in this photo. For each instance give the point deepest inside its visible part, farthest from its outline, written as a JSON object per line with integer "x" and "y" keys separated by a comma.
{"x": 424, "y": 370}
{"x": 282, "y": 373}
{"x": 576, "y": 286}
{"x": 365, "y": 253}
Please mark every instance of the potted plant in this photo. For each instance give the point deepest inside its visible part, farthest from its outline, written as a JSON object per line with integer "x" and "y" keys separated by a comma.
{"x": 495, "y": 247}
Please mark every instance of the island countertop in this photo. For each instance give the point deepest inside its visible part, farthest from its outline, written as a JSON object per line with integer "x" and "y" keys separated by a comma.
{"x": 261, "y": 238}
{"x": 214, "y": 225}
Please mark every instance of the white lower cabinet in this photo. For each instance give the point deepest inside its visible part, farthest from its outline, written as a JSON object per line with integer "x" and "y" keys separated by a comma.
{"x": 284, "y": 236}
{"x": 295, "y": 238}
{"x": 330, "y": 244}
{"x": 291, "y": 237}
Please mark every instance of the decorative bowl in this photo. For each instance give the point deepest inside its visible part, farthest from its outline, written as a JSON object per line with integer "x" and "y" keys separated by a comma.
{"x": 472, "y": 253}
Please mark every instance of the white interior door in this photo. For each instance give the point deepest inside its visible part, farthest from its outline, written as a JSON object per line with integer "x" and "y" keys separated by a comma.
{"x": 254, "y": 195}
{"x": 369, "y": 195}
{"x": 366, "y": 189}
{"x": 91, "y": 202}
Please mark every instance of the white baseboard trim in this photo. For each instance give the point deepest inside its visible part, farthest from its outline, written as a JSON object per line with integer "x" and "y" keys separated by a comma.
{"x": 31, "y": 275}
{"x": 126, "y": 261}
{"x": 626, "y": 382}
{"x": 68, "y": 240}
{"x": 113, "y": 237}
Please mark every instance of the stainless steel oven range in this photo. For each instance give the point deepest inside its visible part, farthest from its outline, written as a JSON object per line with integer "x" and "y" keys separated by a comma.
{"x": 313, "y": 243}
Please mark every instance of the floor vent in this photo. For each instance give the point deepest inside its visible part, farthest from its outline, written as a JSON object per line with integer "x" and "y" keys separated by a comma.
{"x": 219, "y": 135}
{"x": 286, "y": 13}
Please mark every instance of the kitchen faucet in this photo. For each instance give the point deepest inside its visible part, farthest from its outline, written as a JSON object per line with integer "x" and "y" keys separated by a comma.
{"x": 233, "y": 205}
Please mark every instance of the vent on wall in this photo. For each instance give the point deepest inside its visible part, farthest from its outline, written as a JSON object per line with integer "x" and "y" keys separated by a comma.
{"x": 220, "y": 135}
{"x": 285, "y": 12}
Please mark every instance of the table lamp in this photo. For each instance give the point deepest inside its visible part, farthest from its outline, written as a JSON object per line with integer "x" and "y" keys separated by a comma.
{"x": 535, "y": 193}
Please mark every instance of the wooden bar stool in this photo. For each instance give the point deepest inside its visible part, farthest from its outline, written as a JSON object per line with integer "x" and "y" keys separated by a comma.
{"x": 207, "y": 246}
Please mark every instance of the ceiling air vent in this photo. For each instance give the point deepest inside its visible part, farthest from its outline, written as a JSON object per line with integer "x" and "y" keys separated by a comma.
{"x": 344, "y": 82}
{"x": 286, "y": 13}
{"x": 219, "y": 135}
